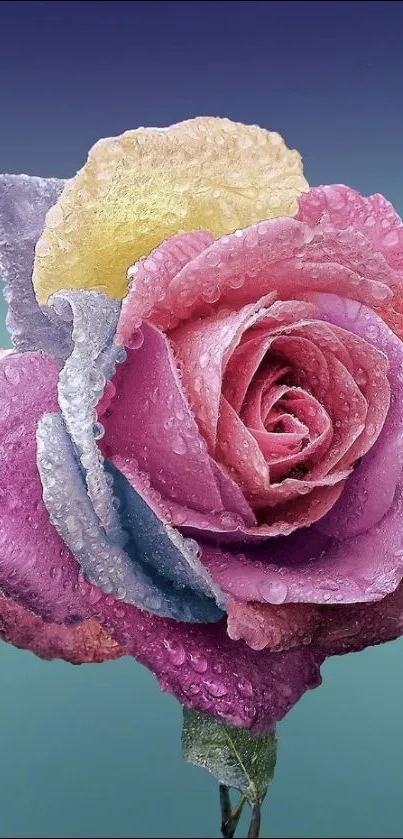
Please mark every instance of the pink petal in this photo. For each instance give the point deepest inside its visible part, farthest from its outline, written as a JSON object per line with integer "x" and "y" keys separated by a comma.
{"x": 370, "y": 489}
{"x": 202, "y": 349}
{"x": 344, "y": 207}
{"x": 150, "y": 279}
{"x": 150, "y": 420}
{"x": 239, "y": 452}
{"x": 273, "y": 627}
{"x": 281, "y": 255}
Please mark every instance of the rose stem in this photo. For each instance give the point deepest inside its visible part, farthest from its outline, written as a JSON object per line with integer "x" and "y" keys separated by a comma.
{"x": 229, "y": 817}
{"x": 254, "y": 827}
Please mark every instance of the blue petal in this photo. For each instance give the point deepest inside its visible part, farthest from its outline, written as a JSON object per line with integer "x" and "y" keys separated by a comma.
{"x": 24, "y": 202}
{"x": 120, "y": 571}
{"x": 162, "y": 547}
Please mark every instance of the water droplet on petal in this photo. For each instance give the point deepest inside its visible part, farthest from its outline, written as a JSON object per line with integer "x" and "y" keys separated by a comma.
{"x": 274, "y": 592}
{"x": 198, "y": 662}
{"x": 176, "y": 653}
{"x": 216, "y": 688}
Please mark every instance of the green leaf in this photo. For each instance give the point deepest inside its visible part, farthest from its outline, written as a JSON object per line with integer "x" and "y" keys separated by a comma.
{"x": 237, "y": 758}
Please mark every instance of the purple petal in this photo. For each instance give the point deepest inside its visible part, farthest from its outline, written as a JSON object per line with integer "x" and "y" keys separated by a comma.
{"x": 24, "y": 202}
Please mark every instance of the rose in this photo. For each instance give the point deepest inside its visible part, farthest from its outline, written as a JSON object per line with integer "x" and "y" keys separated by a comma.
{"x": 250, "y": 433}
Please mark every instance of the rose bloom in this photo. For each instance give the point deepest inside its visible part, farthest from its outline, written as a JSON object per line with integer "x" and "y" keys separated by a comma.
{"x": 207, "y": 475}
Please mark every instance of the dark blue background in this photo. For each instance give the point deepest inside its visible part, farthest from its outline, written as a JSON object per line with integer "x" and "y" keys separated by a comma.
{"x": 95, "y": 751}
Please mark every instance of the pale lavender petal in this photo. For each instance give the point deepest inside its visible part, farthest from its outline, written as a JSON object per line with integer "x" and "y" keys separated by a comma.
{"x": 82, "y": 382}
{"x": 24, "y": 202}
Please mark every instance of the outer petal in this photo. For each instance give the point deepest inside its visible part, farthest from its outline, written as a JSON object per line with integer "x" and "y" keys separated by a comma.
{"x": 24, "y": 202}
{"x": 344, "y": 207}
{"x": 34, "y": 564}
{"x": 281, "y": 255}
{"x": 85, "y": 643}
{"x": 139, "y": 189}
{"x": 150, "y": 279}
{"x": 346, "y": 629}
{"x": 81, "y": 383}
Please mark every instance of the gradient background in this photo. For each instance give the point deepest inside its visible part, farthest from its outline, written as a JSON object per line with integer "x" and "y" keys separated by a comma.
{"x": 95, "y": 751}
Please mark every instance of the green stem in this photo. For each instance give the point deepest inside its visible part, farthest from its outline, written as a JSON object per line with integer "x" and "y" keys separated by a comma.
{"x": 254, "y": 827}
{"x": 229, "y": 817}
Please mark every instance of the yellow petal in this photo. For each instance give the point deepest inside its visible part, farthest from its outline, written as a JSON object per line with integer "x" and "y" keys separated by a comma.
{"x": 146, "y": 185}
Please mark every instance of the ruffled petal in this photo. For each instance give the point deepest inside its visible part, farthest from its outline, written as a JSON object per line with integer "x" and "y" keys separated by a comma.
{"x": 24, "y": 201}
{"x": 139, "y": 189}
{"x": 82, "y": 382}
{"x": 85, "y": 643}
{"x": 276, "y": 628}
{"x": 281, "y": 255}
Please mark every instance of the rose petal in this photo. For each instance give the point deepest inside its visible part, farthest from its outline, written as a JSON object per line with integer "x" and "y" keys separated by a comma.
{"x": 350, "y": 628}
{"x": 276, "y": 628}
{"x": 344, "y": 207}
{"x": 149, "y": 420}
{"x": 149, "y": 279}
{"x": 85, "y": 643}
{"x": 370, "y": 489}
{"x": 362, "y": 568}
{"x": 34, "y": 566}
{"x": 208, "y": 671}
{"x": 139, "y": 189}
{"x": 137, "y": 573}
{"x": 82, "y": 381}
{"x": 24, "y": 202}
{"x": 202, "y": 349}
{"x": 204, "y": 669}
{"x": 285, "y": 256}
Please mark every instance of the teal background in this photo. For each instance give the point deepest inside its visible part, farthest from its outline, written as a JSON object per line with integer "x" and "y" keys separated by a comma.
{"x": 94, "y": 751}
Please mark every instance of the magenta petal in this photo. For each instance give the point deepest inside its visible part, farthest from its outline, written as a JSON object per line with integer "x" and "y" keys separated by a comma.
{"x": 150, "y": 420}
{"x": 208, "y": 671}
{"x": 351, "y": 628}
{"x": 36, "y": 569}
{"x": 204, "y": 669}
